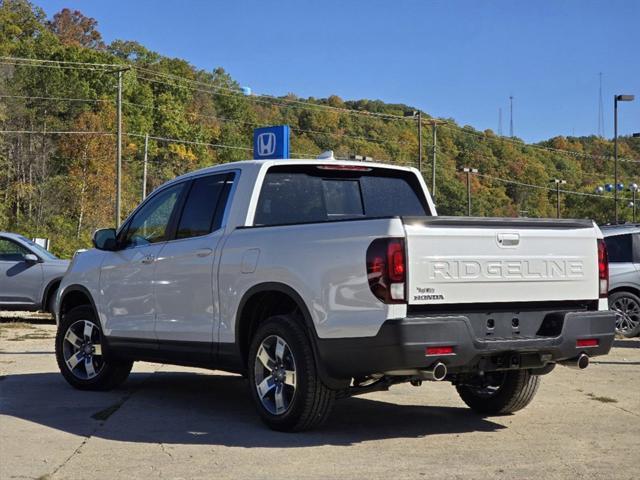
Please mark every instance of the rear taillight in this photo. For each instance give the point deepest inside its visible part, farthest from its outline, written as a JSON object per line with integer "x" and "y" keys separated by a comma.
{"x": 603, "y": 269}
{"x": 386, "y": 269}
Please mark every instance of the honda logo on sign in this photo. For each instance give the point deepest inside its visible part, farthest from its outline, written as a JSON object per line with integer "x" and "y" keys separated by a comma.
{"x": 266, "y": 144}
{"x": 271, "y": 142}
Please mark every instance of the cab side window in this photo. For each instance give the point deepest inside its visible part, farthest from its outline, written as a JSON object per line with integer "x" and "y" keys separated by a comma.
{"x": 204, "y": 207}
{"x": 151, "y": 223}
{"x": 11, "y": 252}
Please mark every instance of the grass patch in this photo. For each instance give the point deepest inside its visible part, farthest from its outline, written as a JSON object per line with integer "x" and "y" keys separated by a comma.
{"x": 601, "y": 399}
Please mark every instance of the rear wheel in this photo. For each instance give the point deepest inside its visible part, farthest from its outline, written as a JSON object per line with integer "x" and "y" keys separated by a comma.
{"x": 501, "y": 392}
{"x": 81, "y": 354}
{"x": 285, "y": 386}
{"x": 627, "y": 305}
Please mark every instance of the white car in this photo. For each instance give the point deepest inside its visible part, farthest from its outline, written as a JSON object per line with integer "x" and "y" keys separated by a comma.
{"x": 324, "y": 279}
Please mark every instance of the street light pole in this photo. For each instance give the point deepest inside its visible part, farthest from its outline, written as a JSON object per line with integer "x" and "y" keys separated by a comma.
{"x": 469, "y": 171}
{"x": 616, "y": 99}
{"x": 558, "y": 182}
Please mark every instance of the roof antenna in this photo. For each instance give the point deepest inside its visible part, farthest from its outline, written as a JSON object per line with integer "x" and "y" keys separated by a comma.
{"x": 328, "y": 155}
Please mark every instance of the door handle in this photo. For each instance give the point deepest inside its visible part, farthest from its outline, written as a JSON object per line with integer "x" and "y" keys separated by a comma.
{"x": 147, "y": 259}
{"x": 204, "y": 252}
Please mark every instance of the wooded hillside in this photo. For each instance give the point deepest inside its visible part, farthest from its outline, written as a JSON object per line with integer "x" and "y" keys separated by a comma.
{"x": 57, "y": 146}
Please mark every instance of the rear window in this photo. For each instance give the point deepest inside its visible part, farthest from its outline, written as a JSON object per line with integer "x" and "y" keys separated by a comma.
{"x": 311, "y": 194}
{"x": 619, "y": 248}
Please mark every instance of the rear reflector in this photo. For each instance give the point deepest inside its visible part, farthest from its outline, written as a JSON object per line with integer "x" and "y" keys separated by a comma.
{"x": 439, "y": 351}
{"x": 587, "y": 342}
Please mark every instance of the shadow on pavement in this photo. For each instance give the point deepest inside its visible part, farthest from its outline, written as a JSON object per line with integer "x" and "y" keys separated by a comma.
{"x": 209, "y": 409}
{"x": 630, "y": 343}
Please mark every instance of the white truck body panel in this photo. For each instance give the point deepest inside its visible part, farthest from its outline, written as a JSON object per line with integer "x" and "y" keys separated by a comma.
{"x": 324, "y": 263}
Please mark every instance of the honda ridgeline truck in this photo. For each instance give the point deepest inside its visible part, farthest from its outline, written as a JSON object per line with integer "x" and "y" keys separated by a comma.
{"x": 322, "y": 279}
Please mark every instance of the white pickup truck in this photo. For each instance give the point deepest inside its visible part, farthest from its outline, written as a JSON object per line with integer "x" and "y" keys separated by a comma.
{"x": 324, "y": 279}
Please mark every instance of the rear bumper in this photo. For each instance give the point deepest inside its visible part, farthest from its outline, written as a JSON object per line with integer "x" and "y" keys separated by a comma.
{"x": 401, "y": 345}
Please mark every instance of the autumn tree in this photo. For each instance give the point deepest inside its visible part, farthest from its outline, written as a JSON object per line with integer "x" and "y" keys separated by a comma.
{"x": 75, "y": 29}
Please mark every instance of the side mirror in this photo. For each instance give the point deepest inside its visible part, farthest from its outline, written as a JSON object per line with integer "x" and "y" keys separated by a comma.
{"x": 105, "y": 239}
{"x": 31, "y": 258}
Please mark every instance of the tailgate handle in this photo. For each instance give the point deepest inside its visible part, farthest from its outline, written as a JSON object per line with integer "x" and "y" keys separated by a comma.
{"x": 508, "y": 239}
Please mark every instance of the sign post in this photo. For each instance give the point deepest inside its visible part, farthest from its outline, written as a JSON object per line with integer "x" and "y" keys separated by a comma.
{"x": 271, "y": 142}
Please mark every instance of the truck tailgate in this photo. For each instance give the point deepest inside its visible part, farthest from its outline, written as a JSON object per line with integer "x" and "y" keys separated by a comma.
{"x": 495, "y": 260}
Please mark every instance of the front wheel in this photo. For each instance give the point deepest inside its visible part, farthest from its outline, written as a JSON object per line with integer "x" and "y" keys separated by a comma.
{"x": 82, "y": 356}
{"x": 501, "y": 392}
{"x": 285, "y": 386}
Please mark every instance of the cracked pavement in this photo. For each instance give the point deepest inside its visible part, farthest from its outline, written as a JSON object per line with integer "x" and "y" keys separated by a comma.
{"x": 174, "y": 422}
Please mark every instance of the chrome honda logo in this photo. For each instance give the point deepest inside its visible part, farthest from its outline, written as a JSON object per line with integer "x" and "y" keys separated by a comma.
{"x": 266, "y": 144}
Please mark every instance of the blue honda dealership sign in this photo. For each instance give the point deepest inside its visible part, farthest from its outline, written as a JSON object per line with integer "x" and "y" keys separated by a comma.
{"x": 271, "y": 142}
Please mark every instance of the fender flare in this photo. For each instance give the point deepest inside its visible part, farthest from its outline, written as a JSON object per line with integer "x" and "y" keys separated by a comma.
{"x": 308, "y": 321}
{"x": 47, "y": 290}
{"x": 76, "y": 288}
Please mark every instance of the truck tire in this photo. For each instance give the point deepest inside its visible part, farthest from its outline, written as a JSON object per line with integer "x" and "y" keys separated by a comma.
{"x": 285, "y": 386}
{"x": 628, "y": 307}
{"x": 510, "y": 391}
{"x": 82, "y": 356}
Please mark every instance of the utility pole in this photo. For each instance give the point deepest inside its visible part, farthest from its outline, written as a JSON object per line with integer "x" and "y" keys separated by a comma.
{"x": 119, "y": 149}
{"x": 616, "y": 99}
{"x": 144, "y": 168}
{"x": 420, "y": 141}
{"x": 434, "y": 126}
{"x": 511, "y": 116}
{"x": 118, "y": 143}
{"x": 417, "y": 115}
{"x": 558, "y": 183}
{"x": 469, "y": 171}
{"x": 634, "y": 190}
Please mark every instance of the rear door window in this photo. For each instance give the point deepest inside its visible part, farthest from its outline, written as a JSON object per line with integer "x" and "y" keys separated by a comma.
{"x": 204, "y": 207}
{"x": 304, "y": 194}
{"x": 619, "y": 248}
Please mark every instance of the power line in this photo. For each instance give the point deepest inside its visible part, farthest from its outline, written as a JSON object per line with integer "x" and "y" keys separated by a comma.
{"x": 201, "y": 115}
{"x": 267, "y": 99}
{"x": 64, "y": 62}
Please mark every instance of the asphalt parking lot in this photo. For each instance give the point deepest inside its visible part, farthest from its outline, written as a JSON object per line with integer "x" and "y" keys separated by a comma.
{"x": 172, "y": 422}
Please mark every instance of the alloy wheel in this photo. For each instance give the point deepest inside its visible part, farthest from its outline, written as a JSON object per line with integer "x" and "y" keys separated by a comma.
{"x": 275, "y": 375}
{"x": 82, "y": 350}
{"x": 628, "y": 314}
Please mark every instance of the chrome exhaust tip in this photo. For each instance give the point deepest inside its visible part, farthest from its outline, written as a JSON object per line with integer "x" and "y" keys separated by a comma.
{"x": 579, "y": 363}
{"x": 436, "y": 373}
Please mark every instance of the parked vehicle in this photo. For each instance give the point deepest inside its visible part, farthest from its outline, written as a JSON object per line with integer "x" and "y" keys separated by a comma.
{"x": 324, "y": 279}
{"x": 623, "y": 246}
{"x": 29, "y": 274}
